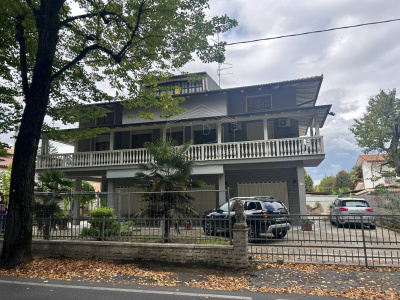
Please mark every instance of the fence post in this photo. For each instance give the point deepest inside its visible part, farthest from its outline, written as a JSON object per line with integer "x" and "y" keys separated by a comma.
{"x": 363, "y": 240}
{"x": 240, "y": 238}
{"x": 119, "y": 216}
{"x": 102, "y": 229}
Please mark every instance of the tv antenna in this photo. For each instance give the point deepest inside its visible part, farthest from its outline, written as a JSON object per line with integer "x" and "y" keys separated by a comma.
{"x": 222, "y": 66}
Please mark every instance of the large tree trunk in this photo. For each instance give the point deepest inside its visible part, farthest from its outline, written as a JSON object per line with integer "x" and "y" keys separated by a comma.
{"x": 17, "y": 246}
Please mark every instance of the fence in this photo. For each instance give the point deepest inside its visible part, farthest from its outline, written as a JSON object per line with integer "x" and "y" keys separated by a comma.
{"x": 319, "y": 240}
{"x": 310, "y": 238}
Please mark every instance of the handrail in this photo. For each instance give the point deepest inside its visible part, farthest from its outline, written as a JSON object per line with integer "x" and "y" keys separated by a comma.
{"x": 205, "y": 152}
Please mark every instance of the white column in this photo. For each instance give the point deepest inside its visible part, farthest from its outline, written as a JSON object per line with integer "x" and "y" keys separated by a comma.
{"x": 45, "y": 146}
{"x": 76, "y": 205}
{"x": 221, "y": 186}
{"x": 75, "y": 146}
{"x": 219, "y": 133}
{"x": 112, "y": 140}
{"x": 265, "y": 121}
{"x": 111, "y": 193}
{"x": 316, "y": 124}
{"x": 164, "y": 133}
{"x": 301, "y": 184}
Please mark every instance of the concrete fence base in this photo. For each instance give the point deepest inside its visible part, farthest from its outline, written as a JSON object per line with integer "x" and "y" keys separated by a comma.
{"x": 229, "y": 256}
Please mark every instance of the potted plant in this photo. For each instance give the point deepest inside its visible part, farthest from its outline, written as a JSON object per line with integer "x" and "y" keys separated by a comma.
{"x": 307, "y": 224}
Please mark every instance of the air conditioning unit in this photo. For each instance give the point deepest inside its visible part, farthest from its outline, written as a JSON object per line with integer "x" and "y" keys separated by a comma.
{"x": 283, "y": 123}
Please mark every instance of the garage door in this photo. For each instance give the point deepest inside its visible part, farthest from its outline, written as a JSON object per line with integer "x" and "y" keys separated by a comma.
{"x": 277, "y": 190}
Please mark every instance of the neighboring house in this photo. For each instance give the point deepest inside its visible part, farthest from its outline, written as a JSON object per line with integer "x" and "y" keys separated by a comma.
{"x": 373, "y": 169}
{"x": 5, "y": 161}
{"x": 254, "y": 140}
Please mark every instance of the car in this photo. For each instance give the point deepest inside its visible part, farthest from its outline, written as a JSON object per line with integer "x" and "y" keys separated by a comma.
{"x": 352, "y": 211}
{"x": 264, "y": 214}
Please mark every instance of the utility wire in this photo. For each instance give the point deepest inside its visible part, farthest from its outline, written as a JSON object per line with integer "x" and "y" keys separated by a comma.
{"x": 311, "y": 32}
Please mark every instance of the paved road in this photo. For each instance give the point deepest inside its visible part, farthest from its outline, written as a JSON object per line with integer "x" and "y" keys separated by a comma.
{"x": 16, "y": 288}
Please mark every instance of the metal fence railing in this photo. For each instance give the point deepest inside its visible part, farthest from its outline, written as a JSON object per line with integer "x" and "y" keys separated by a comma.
{"x": 358, "y": 241}
{"x": 136, "y": 217}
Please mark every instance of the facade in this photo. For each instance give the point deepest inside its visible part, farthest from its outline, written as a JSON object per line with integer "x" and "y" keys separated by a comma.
{"x": 373, "y": 169}
{"x": 254, "y": 140}
{"x": 5, "y": 161}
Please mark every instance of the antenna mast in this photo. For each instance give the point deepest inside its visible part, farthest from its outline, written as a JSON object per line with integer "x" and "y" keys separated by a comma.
{"x": 220, "y": 68}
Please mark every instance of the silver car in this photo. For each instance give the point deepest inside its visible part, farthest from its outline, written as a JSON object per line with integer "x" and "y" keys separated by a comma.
{"x": 352, "y": 210}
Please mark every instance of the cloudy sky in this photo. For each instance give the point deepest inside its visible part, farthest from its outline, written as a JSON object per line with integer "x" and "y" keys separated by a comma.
{"x": 356, "y": 63}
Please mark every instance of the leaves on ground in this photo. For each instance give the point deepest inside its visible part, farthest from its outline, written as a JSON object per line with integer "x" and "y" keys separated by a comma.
{"x": 353, "y": 282}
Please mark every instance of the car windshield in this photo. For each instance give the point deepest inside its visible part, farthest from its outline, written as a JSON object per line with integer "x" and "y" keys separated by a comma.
{"x": 273, "y": 207}
{"x": 355, "y": 203}
{"x": 224, "y": 207}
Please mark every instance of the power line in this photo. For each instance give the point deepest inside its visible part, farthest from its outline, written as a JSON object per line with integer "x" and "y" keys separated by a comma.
{"x": 311, "y": 32}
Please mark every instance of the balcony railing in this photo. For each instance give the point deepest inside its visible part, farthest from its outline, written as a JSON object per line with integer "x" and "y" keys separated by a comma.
{"x": 206, "y": 152}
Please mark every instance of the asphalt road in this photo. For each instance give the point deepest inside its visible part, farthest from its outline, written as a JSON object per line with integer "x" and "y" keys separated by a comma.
{"x": 13, "y": 288}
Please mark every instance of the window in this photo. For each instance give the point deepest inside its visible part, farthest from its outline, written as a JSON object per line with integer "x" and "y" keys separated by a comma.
{"x": 257, "y": 103}
{"x": 102, "y": 146}
{"x": 177, "y": 136}
{"x": 183, "y": 87}
{"x": 138, "y": 140}
{"x": 107, "y": 119}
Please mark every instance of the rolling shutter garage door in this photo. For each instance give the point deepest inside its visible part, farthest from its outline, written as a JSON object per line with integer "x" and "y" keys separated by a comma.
{"x": 278, "y": 190}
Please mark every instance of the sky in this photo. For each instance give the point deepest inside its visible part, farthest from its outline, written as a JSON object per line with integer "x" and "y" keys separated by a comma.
{"x": 356, "y": 63}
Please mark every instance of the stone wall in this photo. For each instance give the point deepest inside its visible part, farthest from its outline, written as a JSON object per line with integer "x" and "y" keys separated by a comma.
{"x": 229, "y": 256}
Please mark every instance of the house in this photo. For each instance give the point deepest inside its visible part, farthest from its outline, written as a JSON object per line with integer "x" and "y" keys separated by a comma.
{"x": 254, "y": 140}
{"x": 5, "y": 161}
{"x": 373, "y": 169}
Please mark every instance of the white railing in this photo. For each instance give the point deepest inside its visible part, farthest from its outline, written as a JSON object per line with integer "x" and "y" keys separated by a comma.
{"x": 238, "y": 150}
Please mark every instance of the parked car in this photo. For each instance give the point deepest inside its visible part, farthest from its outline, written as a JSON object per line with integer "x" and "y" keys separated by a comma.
{"x": 349, "y": 211}
{"x": 264, "y": 214}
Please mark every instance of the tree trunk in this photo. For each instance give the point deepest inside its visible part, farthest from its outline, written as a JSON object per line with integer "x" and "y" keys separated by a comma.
{"x": 17, "y": 245}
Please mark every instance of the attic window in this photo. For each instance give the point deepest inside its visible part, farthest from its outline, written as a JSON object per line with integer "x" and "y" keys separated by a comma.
{"x": 257, "y": 103}
{"x": 108, "y": 119}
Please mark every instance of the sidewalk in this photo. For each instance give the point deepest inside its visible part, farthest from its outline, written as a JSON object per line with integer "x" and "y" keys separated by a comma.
{"x": 321, "y": 280}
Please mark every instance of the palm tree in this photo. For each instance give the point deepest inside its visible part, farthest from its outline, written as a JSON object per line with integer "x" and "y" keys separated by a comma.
{"x": 169, "y": 172}
{"x": 52, "y": 181}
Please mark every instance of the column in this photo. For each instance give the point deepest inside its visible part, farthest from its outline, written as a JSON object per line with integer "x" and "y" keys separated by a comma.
{"x": 45, "y": 146}
{"x": 112, "y": 139}
{"x": 164, "y": 133}
{"x": 221, "y": 186}
{"x": 316, "y": 124}
{"x": 76, "y": 205}
{"x": 111, "y": 193}
{"x": 265, "y": 121}
{"x": 302, "y": 190}
{"x": 219, "y": 133}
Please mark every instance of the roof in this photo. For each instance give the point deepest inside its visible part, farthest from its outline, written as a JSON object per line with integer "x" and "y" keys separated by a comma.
{"x": 370, "y": 159}
{"x": 5, "y": 162}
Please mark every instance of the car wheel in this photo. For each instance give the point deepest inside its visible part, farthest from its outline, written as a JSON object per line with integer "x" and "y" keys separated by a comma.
{"x": 332, "y": 222}
{"x": 338, "y": 224}
{"x": 209, "y": 228}
{"x": 372, "y": 227}
{"x": 252, "y": 233}
{"x": 279, "y": 234}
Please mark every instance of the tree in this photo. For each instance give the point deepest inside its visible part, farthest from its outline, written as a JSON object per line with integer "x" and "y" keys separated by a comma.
{"x": 327, "y": 184}
{"x": 170, "y": 172}
{"x": 343, "y": 180}
{"x": 54, "y": 58}
{"x": 309, "y": 182}
{"x": 379, "y": 128}
{"x": 356, "y": 175}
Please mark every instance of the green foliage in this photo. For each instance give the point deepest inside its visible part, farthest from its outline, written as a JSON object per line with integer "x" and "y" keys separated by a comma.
{"x": 327, "y": 184}
{"x": 378, "y": 129}
{"x": 102, "y": 212}
{"x": 356, "y": 175}
{"x": 309, "y": 182}
{"x": 169, "y": 172}
{"x": 123, "y": 43}
{"x": 390, "y": 198}
{"x": 343, "y": 180}
{"x": 5, "y": 180}
{"x": 100, "y": 216}
{"x": 339, "y": 192}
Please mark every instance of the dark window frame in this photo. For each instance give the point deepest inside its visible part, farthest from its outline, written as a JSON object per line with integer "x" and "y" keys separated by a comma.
{"x": 259, "y": 103}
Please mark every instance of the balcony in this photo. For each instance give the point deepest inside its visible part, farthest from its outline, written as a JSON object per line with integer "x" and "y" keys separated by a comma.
{"x": 291, "y": 147}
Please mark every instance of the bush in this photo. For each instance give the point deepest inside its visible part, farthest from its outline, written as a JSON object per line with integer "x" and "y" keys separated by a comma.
{"x": 102, "y": 215}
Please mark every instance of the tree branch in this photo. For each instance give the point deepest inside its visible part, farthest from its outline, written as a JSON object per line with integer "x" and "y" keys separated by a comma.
{"x": 20, "y": 36}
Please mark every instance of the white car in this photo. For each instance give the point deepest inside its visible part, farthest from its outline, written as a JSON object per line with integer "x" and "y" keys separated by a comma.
{"x": 352, "y": 210}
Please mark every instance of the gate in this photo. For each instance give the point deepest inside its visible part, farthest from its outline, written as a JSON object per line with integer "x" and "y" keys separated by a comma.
{"x": 324, "y": 242}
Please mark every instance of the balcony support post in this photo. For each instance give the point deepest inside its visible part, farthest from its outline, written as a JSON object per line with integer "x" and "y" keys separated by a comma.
{"x": 112, "y": 139}
{"x": 316, "y": 124}
{"x": 221, "y": 187}
{"x": 110, "y": 192}
{"x": 76, "y": 205}
{"x": 265, "y": 121}
{"x": 301, "y": 185}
